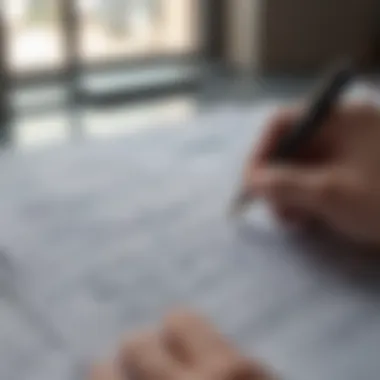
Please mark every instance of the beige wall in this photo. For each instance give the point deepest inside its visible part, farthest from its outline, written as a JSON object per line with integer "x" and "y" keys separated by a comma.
{"x": 299, "y": 34}
{"x": 181, "y": 25}
{"x": 243, "y": 44}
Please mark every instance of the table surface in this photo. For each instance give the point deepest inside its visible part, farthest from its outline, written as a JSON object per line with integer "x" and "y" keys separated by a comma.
{"x": 100, "y": 238}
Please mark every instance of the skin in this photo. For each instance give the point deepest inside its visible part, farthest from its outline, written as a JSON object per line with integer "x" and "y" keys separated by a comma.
{"x": 184, "y": 347}
{"x": 334, "y": 181}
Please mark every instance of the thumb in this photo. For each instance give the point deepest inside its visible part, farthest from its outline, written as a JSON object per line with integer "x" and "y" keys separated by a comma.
{"x": 319, "y": 191}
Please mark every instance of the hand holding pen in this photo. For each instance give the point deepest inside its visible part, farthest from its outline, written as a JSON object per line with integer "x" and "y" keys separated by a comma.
{"x": 330, "y": 176}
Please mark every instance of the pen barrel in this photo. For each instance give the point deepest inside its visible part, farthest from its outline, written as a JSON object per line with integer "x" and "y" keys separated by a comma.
{"x": 316, "y": 114}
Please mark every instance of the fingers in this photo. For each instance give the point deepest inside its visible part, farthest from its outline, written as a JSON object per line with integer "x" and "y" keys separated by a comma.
{"x": 318, "y": 192}
{"x": 277, "y": 127}
{"x": 186, "y": 347}
{"x": 194, "y": 340}
{"x": 146, "y": 357}
{"x": 292, "y": 216}
{"x": 275, "y": 130}
{"x": 351, "y": 114}
{"x": 203, "y": 350}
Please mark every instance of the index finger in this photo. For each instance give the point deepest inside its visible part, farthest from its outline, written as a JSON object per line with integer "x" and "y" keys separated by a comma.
{"x": 277, "y": 127}
{"x": 194, "y": 339}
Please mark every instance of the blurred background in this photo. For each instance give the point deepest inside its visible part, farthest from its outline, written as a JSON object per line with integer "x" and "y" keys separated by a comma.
{"x": 99, "y": 237}
{"x": 76, "y": 68}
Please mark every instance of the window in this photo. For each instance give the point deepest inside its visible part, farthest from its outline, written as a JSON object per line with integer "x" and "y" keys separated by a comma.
{"x": 137, "y": 28}
{"x": 34, "y": 33}
{"x": 57, "y": 54}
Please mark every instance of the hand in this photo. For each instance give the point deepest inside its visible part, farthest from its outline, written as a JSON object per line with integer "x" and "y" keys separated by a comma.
{"x": 335, "y": 179}
{"x": 185, "y": 348}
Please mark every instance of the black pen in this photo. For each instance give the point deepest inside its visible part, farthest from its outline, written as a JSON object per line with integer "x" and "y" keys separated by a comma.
{"x": 308, "y": 124}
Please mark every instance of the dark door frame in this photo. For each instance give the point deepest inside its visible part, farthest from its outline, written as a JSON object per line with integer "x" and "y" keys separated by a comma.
{"x": 5, "y": 106}
{"x": 215, "y": 21}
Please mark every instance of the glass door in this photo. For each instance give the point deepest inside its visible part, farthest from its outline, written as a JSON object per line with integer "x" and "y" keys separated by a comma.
{"x": 61, "y": 55}
{"x": 35, "y": 38}
{"x": 112, "y": 29}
